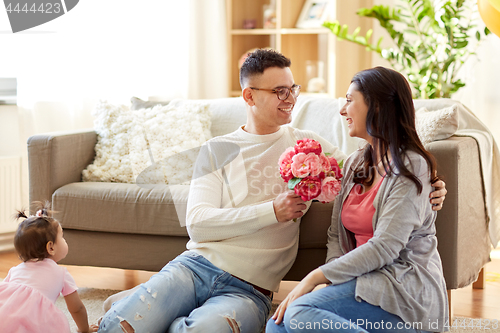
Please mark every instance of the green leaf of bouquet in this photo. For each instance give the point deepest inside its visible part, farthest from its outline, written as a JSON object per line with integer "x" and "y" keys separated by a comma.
{"x": 292, "y": 182}
{"x": 341, "y": 164}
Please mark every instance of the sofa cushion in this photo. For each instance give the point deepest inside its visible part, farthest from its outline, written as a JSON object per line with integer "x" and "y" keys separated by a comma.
{"x": 314, "y": 226}
{"x": 111, "y": 162}
{"x": 131, "y": 141}
{"x": 164, "y": 141}
{"x": 122, "y": 208}
{"x": 437, "y": 124}
{"x": 227, "y": 113}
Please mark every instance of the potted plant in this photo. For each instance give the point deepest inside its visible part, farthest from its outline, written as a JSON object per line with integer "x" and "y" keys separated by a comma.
{"x": 432, "y": 40}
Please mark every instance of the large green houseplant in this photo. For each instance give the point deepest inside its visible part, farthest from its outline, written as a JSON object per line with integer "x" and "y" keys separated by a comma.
{"x": 432, "y": 40}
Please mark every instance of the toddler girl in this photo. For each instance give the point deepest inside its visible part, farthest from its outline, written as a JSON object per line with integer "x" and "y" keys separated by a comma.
{"x": 30, "y": 290}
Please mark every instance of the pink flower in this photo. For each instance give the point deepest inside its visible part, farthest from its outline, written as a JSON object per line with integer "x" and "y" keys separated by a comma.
{"x": 286, "y": 157}
{"x": 308, "y": 188}
{"x": 307, "y": 146}
{"x": 286, "y": 172}
{"x": 325, "y": 162}
{"x": 330, "y": 188}
{"x": 310, "y": 172}
{"x": 285, "y": 164}
{"x": 334, "y": 167}
{"x": 304, "y": 165}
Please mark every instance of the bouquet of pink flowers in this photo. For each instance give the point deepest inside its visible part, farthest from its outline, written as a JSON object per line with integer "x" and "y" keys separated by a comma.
{"x": 311, "y": 173}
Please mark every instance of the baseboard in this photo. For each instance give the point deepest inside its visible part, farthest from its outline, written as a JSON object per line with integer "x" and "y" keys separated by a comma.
{"x": 7, "y": 241}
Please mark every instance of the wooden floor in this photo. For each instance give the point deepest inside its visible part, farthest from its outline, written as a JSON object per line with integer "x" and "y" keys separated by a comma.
{"x": 467, "y": 302}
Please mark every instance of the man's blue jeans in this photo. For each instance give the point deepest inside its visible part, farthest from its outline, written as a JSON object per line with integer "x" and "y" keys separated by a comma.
{"x": 334, "y": 309}
{"x": 190, "y": 294}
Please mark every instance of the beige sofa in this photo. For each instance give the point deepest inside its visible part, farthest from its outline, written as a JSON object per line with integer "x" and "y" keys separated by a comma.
{"x": 133, "y": 227}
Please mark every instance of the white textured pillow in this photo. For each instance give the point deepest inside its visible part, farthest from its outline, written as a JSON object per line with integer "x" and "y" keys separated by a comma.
{"x": 436, "y": 125}
{"x": 134, "y": 144}
{"x": 111, "y": 163}
{"x": 163, "y": 142}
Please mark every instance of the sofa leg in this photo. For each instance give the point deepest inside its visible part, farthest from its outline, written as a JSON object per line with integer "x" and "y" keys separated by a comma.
{"x": 479, "y": 284}
{"x": 450, "y": 305}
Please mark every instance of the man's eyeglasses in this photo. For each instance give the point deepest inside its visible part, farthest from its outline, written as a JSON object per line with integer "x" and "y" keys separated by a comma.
{"x": 283, "y": 92}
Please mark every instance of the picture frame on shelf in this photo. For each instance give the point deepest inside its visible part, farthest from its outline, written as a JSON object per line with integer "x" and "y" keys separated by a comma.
{"x": 313, "y": 14}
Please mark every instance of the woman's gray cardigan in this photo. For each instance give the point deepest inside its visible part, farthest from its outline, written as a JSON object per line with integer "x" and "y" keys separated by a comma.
{"x": 399, "y": 268}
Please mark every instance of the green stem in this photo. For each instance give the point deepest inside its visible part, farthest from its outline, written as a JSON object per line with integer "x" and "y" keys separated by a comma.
{"x": 419, "y": 33}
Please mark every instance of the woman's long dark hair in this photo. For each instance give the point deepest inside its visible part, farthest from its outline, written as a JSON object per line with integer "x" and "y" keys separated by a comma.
{"x": 391, "y": 124}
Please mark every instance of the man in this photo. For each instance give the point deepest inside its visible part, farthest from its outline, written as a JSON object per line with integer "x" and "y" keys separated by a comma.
{"x": 240, "y": 214}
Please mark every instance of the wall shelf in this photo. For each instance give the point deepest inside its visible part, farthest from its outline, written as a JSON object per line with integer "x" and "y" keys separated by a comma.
{"x": 302, "y": 46}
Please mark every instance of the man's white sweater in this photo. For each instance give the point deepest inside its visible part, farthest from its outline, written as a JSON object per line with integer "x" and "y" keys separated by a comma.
{"x": 230, "y": 214}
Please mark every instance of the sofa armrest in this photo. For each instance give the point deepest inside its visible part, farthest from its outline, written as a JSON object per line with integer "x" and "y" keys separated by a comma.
{"x": 462, "y": 225}
{"x": 56, "y": 159}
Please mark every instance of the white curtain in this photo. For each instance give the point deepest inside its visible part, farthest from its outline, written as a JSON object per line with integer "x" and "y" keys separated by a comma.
{"x": 481, "y": 92}
{"x": 208, "y": 74}
{"x": 113, "y": 50}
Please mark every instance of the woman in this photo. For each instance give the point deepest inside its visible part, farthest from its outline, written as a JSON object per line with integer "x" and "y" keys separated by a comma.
{"x": 383, "y": 268}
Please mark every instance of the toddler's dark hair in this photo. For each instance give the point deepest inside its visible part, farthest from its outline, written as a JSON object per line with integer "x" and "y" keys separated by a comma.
{"x": 35, "y": 232}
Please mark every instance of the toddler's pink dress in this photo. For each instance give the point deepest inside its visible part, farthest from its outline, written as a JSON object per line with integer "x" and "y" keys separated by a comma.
{"x": 28, "y": 295}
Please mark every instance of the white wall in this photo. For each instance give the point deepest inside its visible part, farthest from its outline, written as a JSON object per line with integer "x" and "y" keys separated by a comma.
{"x": 112, "y": 49}
{"x": 109, "y": 49}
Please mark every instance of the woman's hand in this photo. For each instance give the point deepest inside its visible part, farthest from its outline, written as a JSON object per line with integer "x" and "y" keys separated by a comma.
{"x": 438, "y": 196}
{"x": 301, "y": 289}
{"x": 305, "y": 286}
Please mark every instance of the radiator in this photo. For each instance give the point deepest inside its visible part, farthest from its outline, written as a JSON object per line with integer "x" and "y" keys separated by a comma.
{"x": 10, "y": 198}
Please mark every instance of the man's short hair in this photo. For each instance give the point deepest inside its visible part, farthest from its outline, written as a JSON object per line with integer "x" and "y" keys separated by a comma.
{"x": 260, "y": 60}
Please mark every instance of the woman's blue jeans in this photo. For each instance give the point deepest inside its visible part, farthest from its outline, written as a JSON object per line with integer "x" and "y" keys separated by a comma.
{"x": 190, "y": 294}
{"x": 335, "y": 309}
